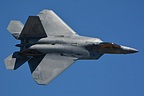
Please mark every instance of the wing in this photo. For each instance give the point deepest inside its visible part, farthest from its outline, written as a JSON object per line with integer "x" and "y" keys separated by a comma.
{"x": 53, "y": 25}
{"x": 46, "y": 68}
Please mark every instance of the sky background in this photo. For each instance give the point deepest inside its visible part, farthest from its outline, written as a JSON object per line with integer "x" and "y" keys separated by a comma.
{"x": 119, "y": 21}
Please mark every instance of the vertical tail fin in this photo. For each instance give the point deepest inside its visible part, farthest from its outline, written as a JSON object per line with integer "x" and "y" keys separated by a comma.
{"x": 15, "y": 60}
{"x": 15, "y": 27}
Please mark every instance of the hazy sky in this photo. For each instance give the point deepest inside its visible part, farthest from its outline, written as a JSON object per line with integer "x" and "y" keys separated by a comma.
{"x": 118, "y": 21}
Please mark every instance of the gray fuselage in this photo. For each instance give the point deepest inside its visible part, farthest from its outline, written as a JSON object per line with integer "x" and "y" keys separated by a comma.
{"x": 69, "y": 46}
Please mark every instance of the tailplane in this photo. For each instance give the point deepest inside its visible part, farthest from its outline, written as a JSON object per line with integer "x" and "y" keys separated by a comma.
{"x": 15, "y": 60}
{"x": 15, "y": 27}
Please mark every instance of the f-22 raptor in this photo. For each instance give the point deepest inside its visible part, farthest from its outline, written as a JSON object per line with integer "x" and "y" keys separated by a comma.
{"x": 50, "y": 46}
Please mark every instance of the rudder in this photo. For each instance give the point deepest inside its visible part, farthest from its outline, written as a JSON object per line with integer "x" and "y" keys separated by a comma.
{"x": 33, "y": 29}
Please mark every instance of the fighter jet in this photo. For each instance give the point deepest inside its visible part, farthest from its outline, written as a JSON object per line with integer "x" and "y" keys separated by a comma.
{"x": 50, "y": 46}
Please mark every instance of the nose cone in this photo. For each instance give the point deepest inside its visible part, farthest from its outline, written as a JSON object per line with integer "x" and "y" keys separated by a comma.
{"x": 132, "y": 50}
{"x": 128, "y": 50}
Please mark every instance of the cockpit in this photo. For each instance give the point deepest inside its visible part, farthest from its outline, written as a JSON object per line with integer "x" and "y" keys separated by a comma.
{"x": 109, "y": 45}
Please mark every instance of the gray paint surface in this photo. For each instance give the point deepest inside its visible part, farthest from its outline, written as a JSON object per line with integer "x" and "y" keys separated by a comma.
{"x": 50, "y": 46}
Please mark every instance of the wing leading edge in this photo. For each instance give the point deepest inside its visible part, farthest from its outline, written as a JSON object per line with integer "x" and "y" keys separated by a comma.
{"x": 46, "y": 68}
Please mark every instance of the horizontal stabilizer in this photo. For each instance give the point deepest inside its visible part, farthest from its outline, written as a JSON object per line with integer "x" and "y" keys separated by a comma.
{"x": 15, "y": 60}
{"x": 15, "y": 28}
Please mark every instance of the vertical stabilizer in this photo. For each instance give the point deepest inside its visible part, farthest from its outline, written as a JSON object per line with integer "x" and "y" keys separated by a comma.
{"x": 15, "y": 27}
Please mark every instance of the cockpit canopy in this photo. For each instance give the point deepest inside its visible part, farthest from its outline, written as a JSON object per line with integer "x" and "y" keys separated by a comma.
{"x": 109, "y": 45}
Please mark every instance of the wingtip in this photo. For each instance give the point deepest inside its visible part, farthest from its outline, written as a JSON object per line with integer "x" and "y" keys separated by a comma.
{"x": 46, "y": 10}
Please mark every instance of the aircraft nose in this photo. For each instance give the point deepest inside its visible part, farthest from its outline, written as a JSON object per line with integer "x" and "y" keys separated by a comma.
{"x": 132, "y": 50}
{"x": 128, "y": 50}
